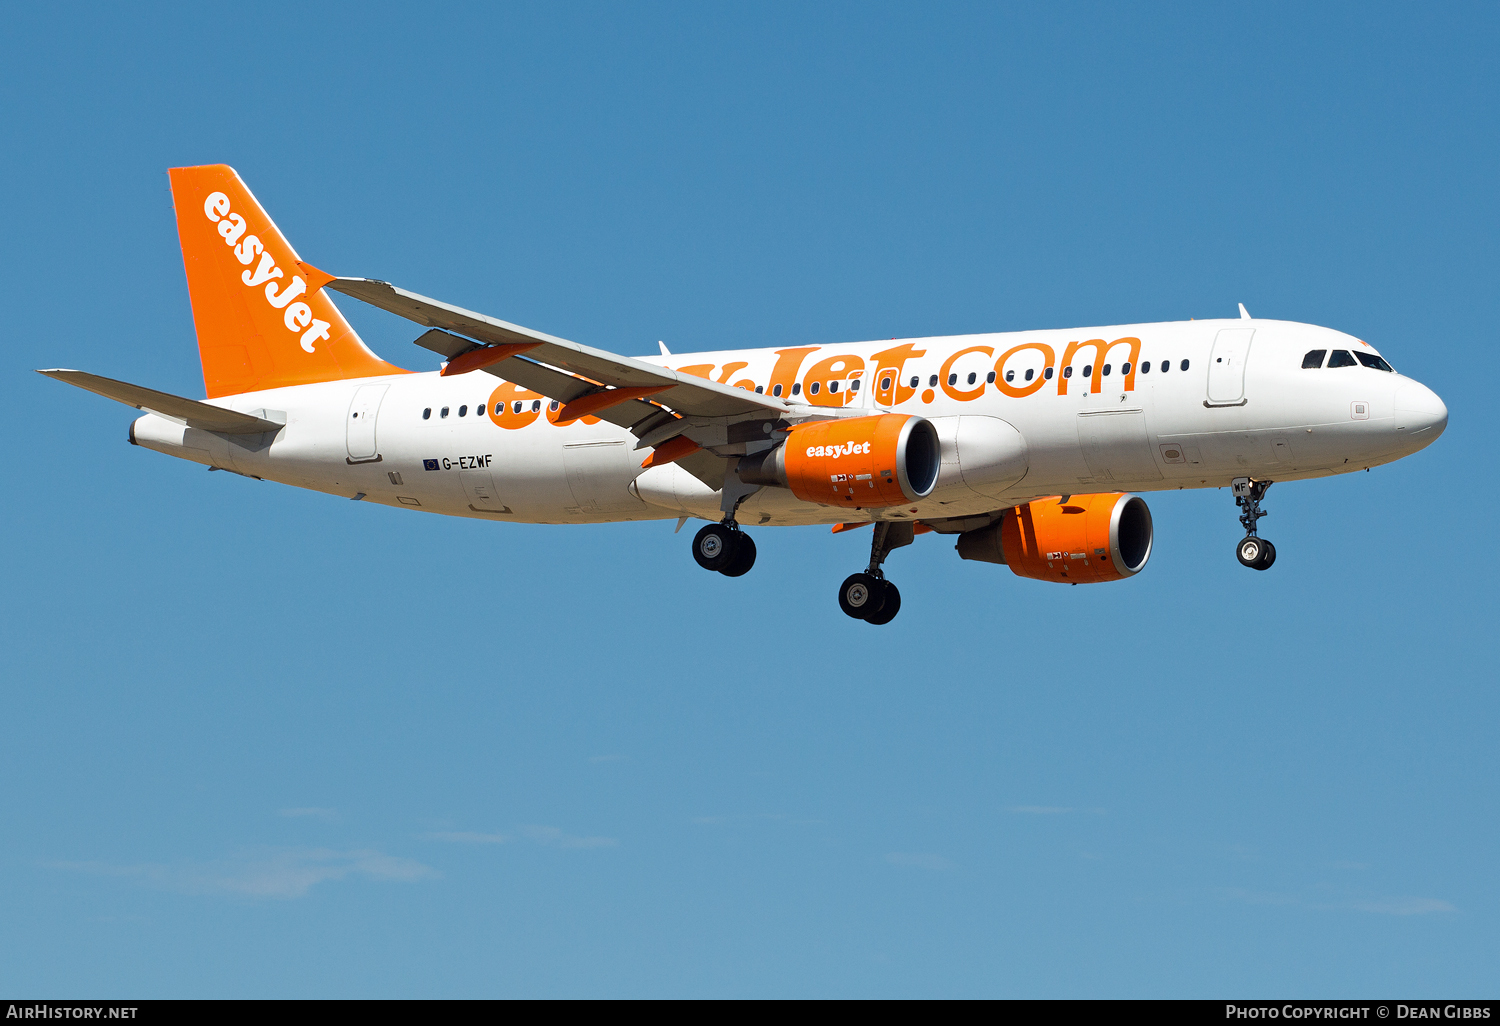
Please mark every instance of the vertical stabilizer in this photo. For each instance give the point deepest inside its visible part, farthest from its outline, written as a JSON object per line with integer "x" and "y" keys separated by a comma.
{"x": 258, "y": 325}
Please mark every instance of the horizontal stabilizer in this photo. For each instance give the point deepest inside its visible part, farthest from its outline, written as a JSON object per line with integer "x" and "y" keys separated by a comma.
{"x": 191, "y": 412}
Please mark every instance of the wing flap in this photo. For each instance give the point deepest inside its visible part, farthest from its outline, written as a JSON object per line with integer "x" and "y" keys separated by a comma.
{"x": 706, "y": 467}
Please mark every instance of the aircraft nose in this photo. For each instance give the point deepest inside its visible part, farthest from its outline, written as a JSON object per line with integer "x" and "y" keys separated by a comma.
{"x": 1420, "y": 411}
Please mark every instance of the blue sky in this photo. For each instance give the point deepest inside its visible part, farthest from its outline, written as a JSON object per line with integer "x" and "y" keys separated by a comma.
{"x": 264, "y": 742}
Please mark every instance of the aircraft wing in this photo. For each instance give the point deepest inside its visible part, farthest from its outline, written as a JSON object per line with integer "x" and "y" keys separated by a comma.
{"x": 554, "y": 384}
{"x": 688, "y": 395}
{"x": 204, "y": 416}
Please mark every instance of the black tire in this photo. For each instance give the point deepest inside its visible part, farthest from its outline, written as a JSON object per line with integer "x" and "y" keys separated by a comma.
{"x": 744, "y": 557}
{"x": 889, "y": 607}
{"x": 1267, "y": 558}
{"x": 715, "y": 546}
{"x": 1250, "y": 551}
{"x": 861, "y": 596}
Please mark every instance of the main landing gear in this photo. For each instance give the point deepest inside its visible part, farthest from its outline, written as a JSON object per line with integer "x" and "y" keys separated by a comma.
{"x": 868, "y": 596}
{"x": 1253, "y": 551}
{"x": 724, "y": 548}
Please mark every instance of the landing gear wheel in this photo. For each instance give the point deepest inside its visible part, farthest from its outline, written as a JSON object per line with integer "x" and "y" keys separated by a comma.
{"x": 1249, "y": 552}
{"x": 715, "y": 547}
{"x": 889, "y": 608}
{"x": 1256, "y": 553}
{"x": 744, "y": 556}
{"x": 1268, "y": 557}
{"x": 861, "y": 596}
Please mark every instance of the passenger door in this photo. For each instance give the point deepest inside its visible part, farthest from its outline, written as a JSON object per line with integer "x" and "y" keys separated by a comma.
{"x": 363, "y": 413}
{"x": 1226, "y": 367}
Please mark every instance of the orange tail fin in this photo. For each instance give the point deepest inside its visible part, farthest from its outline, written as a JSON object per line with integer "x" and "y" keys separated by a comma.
{"x": 260, "y": 324}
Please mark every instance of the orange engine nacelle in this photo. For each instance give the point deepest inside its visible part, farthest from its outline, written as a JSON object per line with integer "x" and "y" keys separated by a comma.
{"x": 1078, "y": 540}
{"x": 860, "y": 463}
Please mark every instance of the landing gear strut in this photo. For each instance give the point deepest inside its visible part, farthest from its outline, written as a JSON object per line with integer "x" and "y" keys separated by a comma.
{"x": 868, "y": 596}
{"x": 1253, "y": 551}
{"x": 724, "y": 548}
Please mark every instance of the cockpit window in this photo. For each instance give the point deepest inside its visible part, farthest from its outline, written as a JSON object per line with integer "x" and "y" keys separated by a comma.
{"x": 1374, "y": 362}
{"x": 1314, "y": 359}
{"x": 1341, "y": 358}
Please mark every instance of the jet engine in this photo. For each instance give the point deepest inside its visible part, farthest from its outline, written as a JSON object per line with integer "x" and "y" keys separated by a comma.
{"x": 1072, "y": 539}
{"x": 862, "y": 462}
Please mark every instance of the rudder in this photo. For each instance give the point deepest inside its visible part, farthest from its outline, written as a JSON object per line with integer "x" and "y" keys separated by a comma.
{"x": 258, "y": 326}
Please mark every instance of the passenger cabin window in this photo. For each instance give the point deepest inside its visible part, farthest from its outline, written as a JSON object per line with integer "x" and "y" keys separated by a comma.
{"x": 885, "y": 384}
{"x": 990, "y": 378}
{"x": 1314, "y": 359}
{"x": 1145, "y": 367}
{"x": 854, "y": 385}
{"x": 1125, "y": 367}
{"x": 1067, "y": 372}
{"x": 1166, "y": 365}
{"x": 1106, "y": 370}
{"x": 813, "y": 388}
{"x": 1374, "y": 362}
{"x": 833, "y": 386}
{"x": 1184, "y": 365}
{"x": 915, "y": 381}
{"x": 554, "y": 406}
{"x": 973, "y": 377}
{"x": 776, "y": 391}
{"x": 1341, "y": 358}
{"x": 1088, "y": 370}
{"x": 1010, "y": 375}
{"x": 427, "y": 413}
{"x": 536, "y": 406}
{"x": 797, "y": 388}
{"x": 932, "y": 381}
{"x": 1030, "y": 373}
{"x": 463, "y": 411}
{"x": 759, "y": 389}
{"x": 1047, "y": 373}
{"x": 444, "y": 413}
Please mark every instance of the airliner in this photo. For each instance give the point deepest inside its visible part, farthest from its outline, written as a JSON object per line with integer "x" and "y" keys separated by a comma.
{"x": 1029, "y": 448}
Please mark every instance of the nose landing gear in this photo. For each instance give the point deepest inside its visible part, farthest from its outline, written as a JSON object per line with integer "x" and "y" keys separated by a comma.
{"x": 1253, "y": 551}
{"x": 868, "y": 596}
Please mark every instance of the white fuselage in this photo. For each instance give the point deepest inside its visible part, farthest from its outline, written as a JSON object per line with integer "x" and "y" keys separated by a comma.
{"x": 1244, "y": 407}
